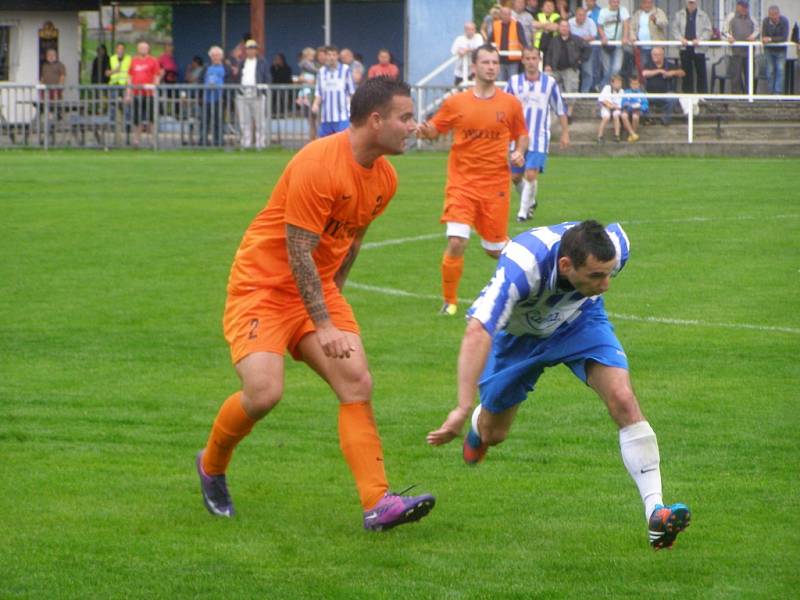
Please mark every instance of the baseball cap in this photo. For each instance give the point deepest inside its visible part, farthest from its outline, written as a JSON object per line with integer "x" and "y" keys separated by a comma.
{"x": 251, "y": 44}
{"x": 743, "y": 3}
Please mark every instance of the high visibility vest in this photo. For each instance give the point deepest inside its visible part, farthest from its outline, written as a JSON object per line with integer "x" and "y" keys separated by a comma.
{"x": 513, "y": 38}
{"x": 542, "y": 18}
{"x": 121, "y": 77}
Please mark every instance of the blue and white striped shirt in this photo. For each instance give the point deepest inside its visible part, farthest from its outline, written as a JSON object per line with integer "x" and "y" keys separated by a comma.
{"x": 537, "y": 97}
{"x": 523, "y": 296}
{"x": 335, "y": 86}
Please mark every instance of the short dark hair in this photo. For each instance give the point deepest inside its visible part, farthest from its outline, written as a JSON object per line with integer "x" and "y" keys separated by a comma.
{"x": 485, "y": 48}
{"x": 331, "y": 48}
{"x": 375, "y": 95}
{"x": 587, "y": 238}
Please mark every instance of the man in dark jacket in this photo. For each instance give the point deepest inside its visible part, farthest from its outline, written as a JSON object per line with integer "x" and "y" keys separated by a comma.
{"x": 250, "y": 102}
{"x": 775, "y": 30}
{"x": 563, "y": 59}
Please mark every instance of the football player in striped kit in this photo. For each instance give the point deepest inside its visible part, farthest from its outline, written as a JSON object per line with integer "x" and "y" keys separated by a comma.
{"x": 538, "y": 92}
{"x": 544, "y": 307}
{"x": 334, "y": 88}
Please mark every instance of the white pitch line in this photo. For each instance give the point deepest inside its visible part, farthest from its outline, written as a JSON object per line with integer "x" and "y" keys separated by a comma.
{"x": 431, "y": 236}
{"x": 622, "y": 317}
{"x": 396, "y": 241}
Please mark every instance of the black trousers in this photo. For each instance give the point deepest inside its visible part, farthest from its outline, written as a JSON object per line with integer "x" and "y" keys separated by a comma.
{"x": 693, "y": 64}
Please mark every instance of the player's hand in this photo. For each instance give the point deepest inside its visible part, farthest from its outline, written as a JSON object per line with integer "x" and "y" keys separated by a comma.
{"x": 314, "y": 109}
{"x": 564, "y": 143}
{"x": 426, "y": 130}
{"x": 334, "y": 342}
{"x": 518, "y": 158}
{"x": 450, "y": 429}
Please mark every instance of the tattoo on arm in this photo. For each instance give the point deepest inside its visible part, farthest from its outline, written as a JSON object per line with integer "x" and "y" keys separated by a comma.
{"x": 344, "y": 269}
{"x": 300, "y": 244}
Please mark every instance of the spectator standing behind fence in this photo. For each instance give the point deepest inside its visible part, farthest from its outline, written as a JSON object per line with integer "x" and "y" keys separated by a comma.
{"x": 307, "y": 77}
{"x": 648, "y": 23}
{"x": 192, "y": 72}
{"x": 565, "y": 53}
{"x": 613, "y": 24}
{"x": 120, "y": 66}
{"x": 100, "y": 66}
{"x": 491, "y": 17}
{"x": 507, "y": 35}
{"x": 740, "y": 27}
{"x": 145, "y": 75}
{"x": 281, "y": 73}
{"x": 775, "y": 30}
{"x": 660, "y": 77}
{"x": 169, "y": 68}
{"x": 546, "y": 26}
{"x": 347, "y": 57}
{"x": 582, "y": 27}
{"x": 692, "y": 26}
{"x": 462, "y": 47}
{"x": 384, "y": 67}
{"x": 52, "y": 73}
{"x": 213, "y": 77}
{"x": 251, "y": 104}
{"x": 334, "y": 89}
{"x": 524, "y": 18}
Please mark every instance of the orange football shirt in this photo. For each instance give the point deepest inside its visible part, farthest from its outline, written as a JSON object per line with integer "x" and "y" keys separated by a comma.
{"x": 324, "y": 190}
{"x": 484, "y": 127}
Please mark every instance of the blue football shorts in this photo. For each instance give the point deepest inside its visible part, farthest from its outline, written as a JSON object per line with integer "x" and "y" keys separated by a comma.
{"x": 516, "y": 362}
{"x": 533, "y": 161}
{"x": 331, "y": 127}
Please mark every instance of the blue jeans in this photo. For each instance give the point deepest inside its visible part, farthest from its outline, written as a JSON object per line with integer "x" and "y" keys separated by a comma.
{"x": 612, "y": 63}
{"x": 776, "y": 65}
{"x": 588, "y": 68}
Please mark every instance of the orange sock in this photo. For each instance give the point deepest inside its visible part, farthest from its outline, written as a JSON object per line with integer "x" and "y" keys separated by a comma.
{"x": 230, "y": 427}
{"x": 452, "y": 268}
{"x": 361, "y": 445}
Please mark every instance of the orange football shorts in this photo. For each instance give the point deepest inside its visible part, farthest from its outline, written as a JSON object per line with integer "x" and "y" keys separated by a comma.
{"x": 488, "y": 214}
{"x": 275, "y": 320}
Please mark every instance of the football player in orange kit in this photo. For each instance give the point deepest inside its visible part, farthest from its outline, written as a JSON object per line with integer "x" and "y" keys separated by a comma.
{"x": 284, "y": 293}
{"x": 485, "y": 120}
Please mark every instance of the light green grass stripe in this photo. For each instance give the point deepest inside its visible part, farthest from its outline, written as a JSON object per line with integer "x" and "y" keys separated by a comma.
{"x": 622, "y": 317}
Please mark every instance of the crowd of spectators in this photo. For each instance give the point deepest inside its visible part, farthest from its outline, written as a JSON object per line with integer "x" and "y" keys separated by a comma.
{"x": 573, "y": 37}
{"x": 564, "y": 33}
{"x": 513, "y": 24}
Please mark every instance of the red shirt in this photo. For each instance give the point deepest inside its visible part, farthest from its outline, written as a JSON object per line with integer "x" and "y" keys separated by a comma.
{"x": 144, "y": 71}
{"x": 380, "y": 70}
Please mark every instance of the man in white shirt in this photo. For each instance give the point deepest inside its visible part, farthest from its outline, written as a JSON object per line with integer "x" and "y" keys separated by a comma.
{"x": 649, "y": 23}
{"x": 250, "y": 103}
{"x": 462, "y": 47}
{"x": 613, "y": 24}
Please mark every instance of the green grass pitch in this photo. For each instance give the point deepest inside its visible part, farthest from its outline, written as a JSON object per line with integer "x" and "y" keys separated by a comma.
{"x": 113, "y": 365}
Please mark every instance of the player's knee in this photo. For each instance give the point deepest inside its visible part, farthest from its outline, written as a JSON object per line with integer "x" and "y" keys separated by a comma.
{"x": 261, "y": 396}
{"x": 493, "y": 253}
{"x": 357, "y": 386}
{"x": 623, "y": 406}
{"x": 456, "y": 246}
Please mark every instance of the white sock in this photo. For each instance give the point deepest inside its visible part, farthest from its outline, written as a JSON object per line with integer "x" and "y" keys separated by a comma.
{"x": 528, "y": 198}
{"x": 639, "y": 449}
{"x": 474, "y": 421}
{"x": 518, "y": 185}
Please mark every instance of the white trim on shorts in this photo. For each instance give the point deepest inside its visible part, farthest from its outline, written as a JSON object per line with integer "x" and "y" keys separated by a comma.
{"x": 462, "y": 230}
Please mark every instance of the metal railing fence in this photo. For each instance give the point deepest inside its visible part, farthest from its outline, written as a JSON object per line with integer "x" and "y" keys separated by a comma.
{"x": 157, "y": 117}
{"x": 194, "y": 116}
